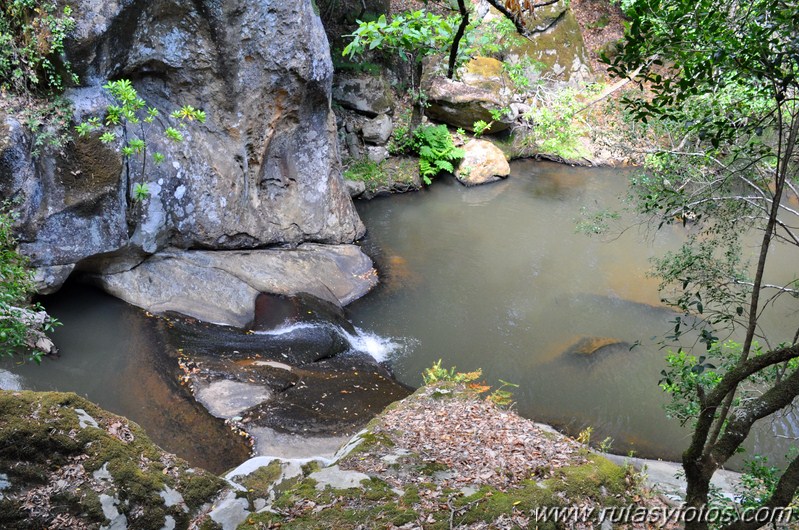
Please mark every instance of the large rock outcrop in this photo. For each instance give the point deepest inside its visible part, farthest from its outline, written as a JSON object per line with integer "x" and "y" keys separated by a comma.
{"x": 262, "y": 170}
{"x": 221, "y": 287}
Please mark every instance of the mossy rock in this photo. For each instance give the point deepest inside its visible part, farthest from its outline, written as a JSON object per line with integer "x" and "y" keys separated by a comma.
{"x": 80, "y": 462}
{"x": 560, "y": 49}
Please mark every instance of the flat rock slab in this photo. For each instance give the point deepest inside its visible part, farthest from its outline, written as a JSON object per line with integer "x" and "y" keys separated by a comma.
{"x": 221, "y": 286}
{"x": 337, "y": 478}
{"x": 227, "y": 399}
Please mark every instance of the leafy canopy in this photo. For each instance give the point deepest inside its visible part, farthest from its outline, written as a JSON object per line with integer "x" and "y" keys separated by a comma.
{"x": 411, "y": 35}
{"x": 723, "y": 80}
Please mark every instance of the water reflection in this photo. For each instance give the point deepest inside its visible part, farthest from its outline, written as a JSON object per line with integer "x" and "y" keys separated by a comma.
{"x": 115, "y": 356}
{"x": 496, "y": 277}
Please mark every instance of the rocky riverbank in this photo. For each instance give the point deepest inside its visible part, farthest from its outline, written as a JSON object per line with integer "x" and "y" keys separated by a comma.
{"x": 443, "y": 458}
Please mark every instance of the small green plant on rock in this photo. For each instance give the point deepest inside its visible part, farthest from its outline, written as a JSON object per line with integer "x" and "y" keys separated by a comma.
{"x": 502, "y": 397}
{"x": 437, "y": 373}
{"x": 481, "y": 127}
{"x": 32, "y": 35}
{"x": 129, "y": 120}
{"x": 437, "y": 151}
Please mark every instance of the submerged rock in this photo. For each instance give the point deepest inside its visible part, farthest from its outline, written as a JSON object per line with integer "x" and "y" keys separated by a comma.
{"x": 592, "y": 348}
{"x": 69, "y": 464}
{"x": 482, "y": 162}
{"x": 232, "y": 279}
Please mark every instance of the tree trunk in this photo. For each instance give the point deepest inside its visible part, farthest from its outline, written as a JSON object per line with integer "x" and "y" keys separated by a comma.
{"x": 456, "y": 41}
{"x": 696, "y": 495}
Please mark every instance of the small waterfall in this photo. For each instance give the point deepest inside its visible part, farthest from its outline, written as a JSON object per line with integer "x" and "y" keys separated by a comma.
{"x": 381, "y": 349}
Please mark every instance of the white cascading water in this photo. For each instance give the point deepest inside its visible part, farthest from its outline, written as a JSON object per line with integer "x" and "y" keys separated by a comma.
{"x": 381, "y": 349}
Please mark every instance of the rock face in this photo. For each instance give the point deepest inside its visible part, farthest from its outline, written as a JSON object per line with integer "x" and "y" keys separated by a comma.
{"x": 557, "y": 43}
{"x": 461, "y": 104}
{"x": 364, "y": 93}
{"x": 482, "y": 162}
{"x": 66, "y": 463}
{"x": 221, "y": 287}
{"x": 262, "y": 170}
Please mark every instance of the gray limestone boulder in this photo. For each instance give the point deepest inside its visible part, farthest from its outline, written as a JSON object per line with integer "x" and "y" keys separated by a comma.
{"x": 377, "y": 131}
{"x": 364, "y": 93}
{"x": 221, "y": 286}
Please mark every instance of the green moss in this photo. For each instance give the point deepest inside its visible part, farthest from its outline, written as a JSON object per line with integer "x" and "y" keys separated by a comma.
{"x": 431, "y": 468}
{"x": 41, "y": 432}
{"x": 310, "y": 467}
{"x": 370, "y": 173}
{"x": 373, "y": 507}
{"x": 209, "y": 524}
{"x": 394, "y": 174}
{"x": 260, "y": 480}
{"x": 199, "y": 488}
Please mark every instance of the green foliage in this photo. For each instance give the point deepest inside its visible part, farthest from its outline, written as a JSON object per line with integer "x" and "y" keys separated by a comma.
{"x": 480, "y": 127}
{"x": 757, "y": 482}
{"x": 401, "y": 141}
{"x": 501, "y": 396}
{"x": 48, "y": 121}
{"x": 493, "y": 38}
{"x": 140, "y": 191}
{"x": 412, "y": 35}
{"x": 16, "y": 287}
{"x": 556, "y": 123}
{"x": 437, "y": 373}
{"x": 517, "y": 72}
{"x": 723, "y": 92}
{"x": 130, "y": 118}
{"x": 32, "y": 35}
{"x": 685, "y": 373}
{"x": 596, "y": 222}
{"x": 436, "y": 149}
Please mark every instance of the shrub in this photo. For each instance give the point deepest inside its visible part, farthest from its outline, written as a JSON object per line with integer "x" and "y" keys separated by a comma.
{"x": 17, "y": 322}
{"x": 437, "y": 151}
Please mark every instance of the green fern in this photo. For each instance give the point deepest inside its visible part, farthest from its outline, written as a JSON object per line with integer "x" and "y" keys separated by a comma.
{"x": 437, "y": 151}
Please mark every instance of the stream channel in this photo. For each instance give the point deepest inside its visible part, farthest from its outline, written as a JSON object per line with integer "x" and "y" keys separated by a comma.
{"x": 492, "y": 277}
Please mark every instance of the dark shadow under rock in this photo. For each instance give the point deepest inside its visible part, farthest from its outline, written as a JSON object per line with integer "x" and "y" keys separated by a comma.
{"x": 274, "y": 312}
{"x": 298, "y": 344}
